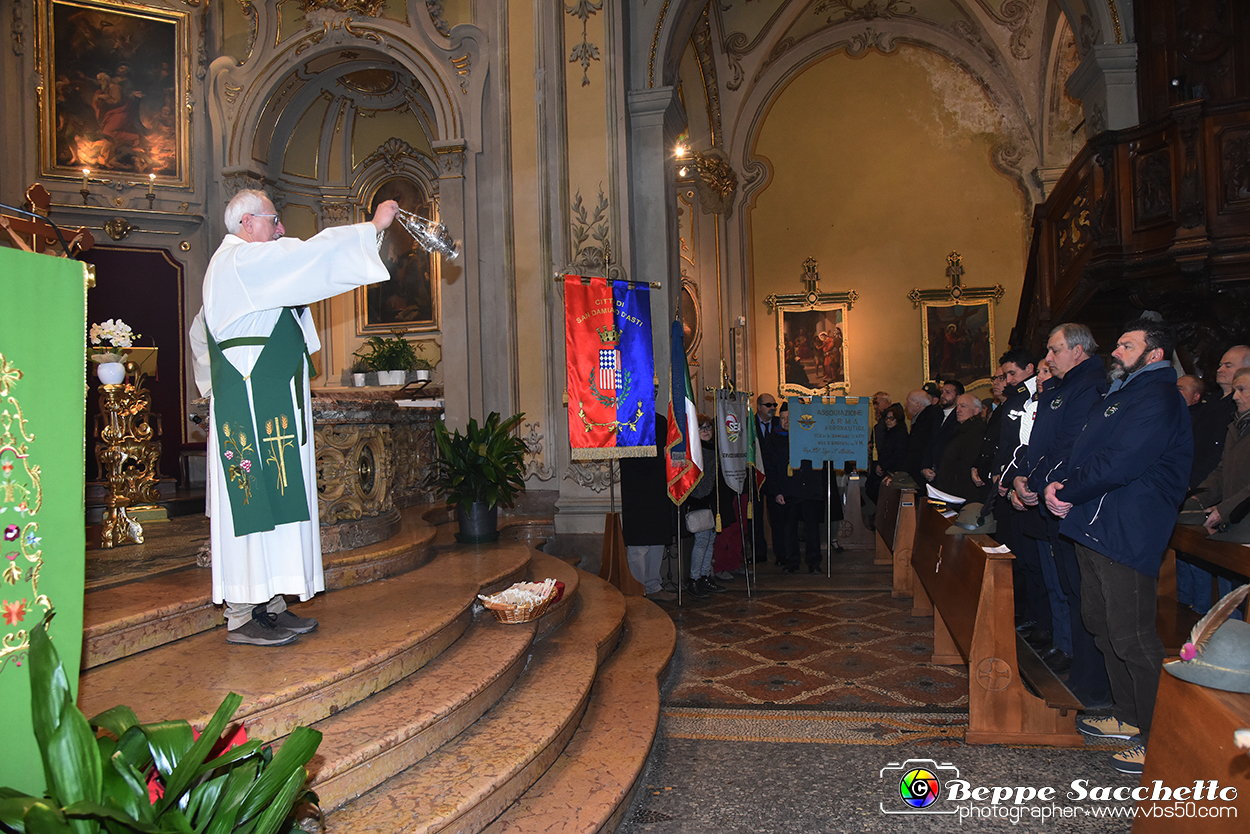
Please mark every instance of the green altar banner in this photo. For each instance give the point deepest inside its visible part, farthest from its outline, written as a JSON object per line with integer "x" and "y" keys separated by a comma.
{"x": 42, "y": 549}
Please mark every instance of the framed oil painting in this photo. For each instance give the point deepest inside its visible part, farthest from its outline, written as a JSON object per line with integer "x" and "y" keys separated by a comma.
{"x": 959, "y": 341}
{"x": 410, "y": 300}
{"x": 115, "y": 102}
{"x": 812, "y": 343}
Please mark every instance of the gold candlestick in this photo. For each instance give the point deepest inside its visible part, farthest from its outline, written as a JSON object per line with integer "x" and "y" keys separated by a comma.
{"x": 127, "y": 451}
{"x": 151, "y": 195}
{"x": 85, "y": 191}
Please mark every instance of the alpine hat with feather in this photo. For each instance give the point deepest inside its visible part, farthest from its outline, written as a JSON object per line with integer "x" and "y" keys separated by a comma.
{"x": 1218, "y": 652}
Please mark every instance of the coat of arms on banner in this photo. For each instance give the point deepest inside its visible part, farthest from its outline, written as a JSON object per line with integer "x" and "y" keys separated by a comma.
{"x": 610, "y": 368}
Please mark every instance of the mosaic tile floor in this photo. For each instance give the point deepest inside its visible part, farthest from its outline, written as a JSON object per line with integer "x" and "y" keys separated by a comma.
{"x": 850, "y": 651}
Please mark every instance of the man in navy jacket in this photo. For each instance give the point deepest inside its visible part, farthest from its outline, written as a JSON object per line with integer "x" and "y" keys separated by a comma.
{"x": 1125, "y": 479}
{"x": 1076, "y": 387}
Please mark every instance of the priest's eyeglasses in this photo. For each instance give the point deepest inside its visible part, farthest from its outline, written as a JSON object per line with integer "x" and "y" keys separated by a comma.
{"x": 274, "y": 216}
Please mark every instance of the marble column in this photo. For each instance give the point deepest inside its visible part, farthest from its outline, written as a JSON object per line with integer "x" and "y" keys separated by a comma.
{"x": 1106, "y": 84}
{"x": 655, "y": 121}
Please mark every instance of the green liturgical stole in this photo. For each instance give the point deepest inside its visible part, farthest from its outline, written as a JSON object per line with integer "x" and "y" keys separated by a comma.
{"x": 264, "y": 473}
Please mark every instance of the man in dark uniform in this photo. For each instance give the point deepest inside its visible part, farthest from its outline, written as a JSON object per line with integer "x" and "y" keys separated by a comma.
{"x": 1118, "y": 497}
{"x": 648, "y": 515}
{"x": 1031, "y": 596}
{"x": 767, "y": 425}
{"x": 1078, "y": 383}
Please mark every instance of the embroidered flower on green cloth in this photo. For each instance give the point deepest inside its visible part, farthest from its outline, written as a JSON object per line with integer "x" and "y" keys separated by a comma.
{"x": 14, "y": 612}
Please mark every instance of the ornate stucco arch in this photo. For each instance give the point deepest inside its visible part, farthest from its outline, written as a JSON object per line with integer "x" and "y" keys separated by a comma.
{"x": 1017, "y": 155}
{"x": 241, "y": 93}
{"x": 451, "y": 68}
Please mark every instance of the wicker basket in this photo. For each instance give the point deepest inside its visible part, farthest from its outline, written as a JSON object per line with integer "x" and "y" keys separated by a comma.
{"x": 509, "y": 613}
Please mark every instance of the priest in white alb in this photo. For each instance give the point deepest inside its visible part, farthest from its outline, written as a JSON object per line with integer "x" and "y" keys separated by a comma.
{"x": 251, "y": 342}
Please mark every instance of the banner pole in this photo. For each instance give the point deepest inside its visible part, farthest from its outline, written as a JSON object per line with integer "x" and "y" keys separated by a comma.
{"x": 612, "y": 482}
{"x": 681, "y": 575}
{"x": 829, "y": 475}
{"x": 742, "y": 536}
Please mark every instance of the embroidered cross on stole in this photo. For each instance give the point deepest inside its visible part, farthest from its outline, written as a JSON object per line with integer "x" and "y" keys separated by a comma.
{"x": 258, "y": 438}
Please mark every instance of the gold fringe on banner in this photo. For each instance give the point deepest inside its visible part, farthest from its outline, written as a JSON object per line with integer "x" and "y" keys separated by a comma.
{"x": 613, "y": 454}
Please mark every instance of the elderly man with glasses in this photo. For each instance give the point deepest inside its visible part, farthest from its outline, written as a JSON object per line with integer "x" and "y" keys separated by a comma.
{"x": 252, "y": 341}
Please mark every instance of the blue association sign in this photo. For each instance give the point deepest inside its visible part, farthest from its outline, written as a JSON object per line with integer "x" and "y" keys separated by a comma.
{"x": 835, "y": 430}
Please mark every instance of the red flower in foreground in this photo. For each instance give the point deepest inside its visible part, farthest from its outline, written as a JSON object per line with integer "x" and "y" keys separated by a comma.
{"x": 156, "y": 785}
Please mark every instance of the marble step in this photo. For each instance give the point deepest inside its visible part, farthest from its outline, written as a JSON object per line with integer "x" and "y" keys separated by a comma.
{"x": 127, "y": 619}
{"x": 591, "y": 783}
{"x": 469, "y": 781}
{"x": 371, "y": 636}
{"x": 373, "y": 740}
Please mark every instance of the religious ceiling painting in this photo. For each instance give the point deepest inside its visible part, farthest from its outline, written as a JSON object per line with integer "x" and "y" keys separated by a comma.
{"x": 812, "y": 348}
{"x": 959, "y": 341}
{"x": 117, "y": 101}
{"x": 410, "y": 300}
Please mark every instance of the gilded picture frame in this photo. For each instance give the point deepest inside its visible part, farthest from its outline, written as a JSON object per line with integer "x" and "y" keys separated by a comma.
{"x": 813, "y": 355}
{"x": 116, "y": 94}
{"x": 958, "y": 338}
{"x": 410, "y": 301}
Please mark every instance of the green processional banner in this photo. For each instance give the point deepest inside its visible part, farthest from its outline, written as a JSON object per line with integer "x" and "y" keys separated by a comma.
{"x": 42, "y": 414}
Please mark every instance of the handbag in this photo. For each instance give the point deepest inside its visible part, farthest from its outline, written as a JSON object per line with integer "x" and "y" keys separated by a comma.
{"x": 699, "y": 520}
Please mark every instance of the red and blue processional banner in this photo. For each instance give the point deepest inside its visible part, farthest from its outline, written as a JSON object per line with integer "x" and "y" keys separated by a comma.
{"x": 611, "y": 368}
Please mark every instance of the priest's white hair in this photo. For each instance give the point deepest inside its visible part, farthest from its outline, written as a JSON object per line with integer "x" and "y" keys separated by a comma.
{"x": 247, "y": 201}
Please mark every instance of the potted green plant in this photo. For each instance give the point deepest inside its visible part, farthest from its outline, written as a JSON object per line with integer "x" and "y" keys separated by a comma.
{"x": 392, "y": 358}
{"x": 359, "y": 370}
{"x": 423, "y": 369}
{"x": 114, "y": 774}
{"x": 478, "y": 471}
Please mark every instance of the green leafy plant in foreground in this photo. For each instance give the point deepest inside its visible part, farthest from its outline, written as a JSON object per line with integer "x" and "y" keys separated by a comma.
{"x": 486, "y": 463}
{"x": 97, "y": 770}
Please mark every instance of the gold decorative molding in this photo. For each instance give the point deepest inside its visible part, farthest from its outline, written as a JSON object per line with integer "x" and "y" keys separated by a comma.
{"x": 655, "y": 40}
{"x": 955, "y": 290}
{"x": 451, "y": 160}
{"x": 463, "y": 64}
{"x": 353, "y": 472}
{"x": 715, "y": 182}
{"x": 369, "y": 8}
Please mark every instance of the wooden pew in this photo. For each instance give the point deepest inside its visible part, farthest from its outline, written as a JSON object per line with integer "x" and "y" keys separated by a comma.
{"x": 1191, "y": 738}
{"x": 896, "y": 531}
{"x": 970, "y": 594}
{"x": 1174, "y": 619}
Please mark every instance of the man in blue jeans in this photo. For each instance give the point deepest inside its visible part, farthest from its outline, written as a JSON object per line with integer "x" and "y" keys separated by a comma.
{"x": 1124, "y": 483}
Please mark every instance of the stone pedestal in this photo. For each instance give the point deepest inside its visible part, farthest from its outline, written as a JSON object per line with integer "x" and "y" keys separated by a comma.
{"x": 373, "y": 459}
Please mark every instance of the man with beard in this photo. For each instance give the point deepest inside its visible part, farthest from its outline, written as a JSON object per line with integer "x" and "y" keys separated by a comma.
{"x": 951, "y": 390}
{"x": 1125, "y": 479}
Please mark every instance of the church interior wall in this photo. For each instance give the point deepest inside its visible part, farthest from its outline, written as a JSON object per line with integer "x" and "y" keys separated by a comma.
{"x": 517, "y": 141}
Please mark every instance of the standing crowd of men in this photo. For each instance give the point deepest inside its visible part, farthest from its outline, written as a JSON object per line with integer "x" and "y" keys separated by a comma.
{"x": 1084, "y": 472}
